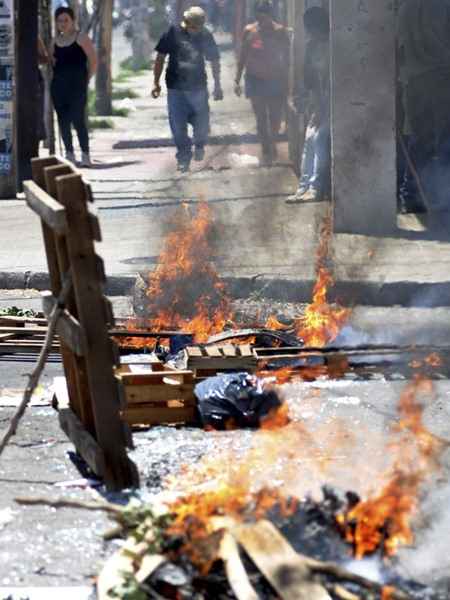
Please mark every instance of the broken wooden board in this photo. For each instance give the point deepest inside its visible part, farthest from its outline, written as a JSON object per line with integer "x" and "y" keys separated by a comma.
{"x": 220, "y": 357}
{"x": 288, "y": 572}
{"x": 155, "y": 398}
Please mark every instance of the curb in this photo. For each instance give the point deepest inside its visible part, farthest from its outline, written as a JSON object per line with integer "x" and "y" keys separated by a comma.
{"x": 347, "y": 293}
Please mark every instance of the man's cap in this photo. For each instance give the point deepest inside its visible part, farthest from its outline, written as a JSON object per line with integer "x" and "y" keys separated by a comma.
{"x": 194, "y": 16}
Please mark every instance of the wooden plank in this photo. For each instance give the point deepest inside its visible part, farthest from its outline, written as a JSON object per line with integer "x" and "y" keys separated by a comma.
{"x": 213, "y": 351}
{"x": 23, "y": 331}
{"x": 156, "y": 377}
{"x": 46, "y": 207}
{"x": 12, "y": 347}
{"x": 155, "y": 416}
{"x": 245, "y": 350}
{"x": 193, "y": 351}
{"x": 94, "y": 225}
{"x": 51, "y": 173}
{"x": 68, "y": 328}
{"x": 141, "y": 394}
{"x": 120, "y": 472}
{"x": 288, "y": 572}
{"x": 229, "y": 350}
{"x": 218, "y": 364}
{"x": 22, "y": 321}
{"x": 6, "y": 336}
{"x": 100, "y": 267}
{"x": 85, "y": 444}
{"x": 37, "y": 168}
{"x": 236, "y": 573}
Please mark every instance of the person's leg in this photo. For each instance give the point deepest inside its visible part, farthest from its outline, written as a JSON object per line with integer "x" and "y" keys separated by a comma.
{"x": 78, "y": 117}
{"x": 198, "y": 101}
{"x": 275, "y": 112}
{"x": 319, "y": 180}
{"x": 306, "y": 164}
{"x": 62, "y": 109}
{"x": 179, "y": 112}
{"x": 260, "y": 108}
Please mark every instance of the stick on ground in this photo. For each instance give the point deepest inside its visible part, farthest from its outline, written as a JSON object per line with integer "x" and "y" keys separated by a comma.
{"x": 35, "y": 375}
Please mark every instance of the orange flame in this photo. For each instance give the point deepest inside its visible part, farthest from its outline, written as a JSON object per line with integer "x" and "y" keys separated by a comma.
{"x": 322, "y": 321}
{"x": 185, "y": 291}
{"x": 385, "y": 520}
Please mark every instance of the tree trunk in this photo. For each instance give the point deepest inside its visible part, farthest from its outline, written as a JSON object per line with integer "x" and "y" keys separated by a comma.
{"x": 103, "y": 82}
{"x": 141, "y": 44}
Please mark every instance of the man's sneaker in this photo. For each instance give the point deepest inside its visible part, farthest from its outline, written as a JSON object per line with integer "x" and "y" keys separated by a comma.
{"x": 199, "y": 153}
{"x": 311, "y": 195}
{"x": 183, "y": 166}
{"x": 297, "y": 197}
{"x": 70, "y": 156}
{"x": 86, "y": 159}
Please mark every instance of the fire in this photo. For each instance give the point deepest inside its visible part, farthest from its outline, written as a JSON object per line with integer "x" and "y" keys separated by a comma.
{"x": 184, "y": 291}
{"x": 321, "y": 322}
{"x": 385, "y": 519}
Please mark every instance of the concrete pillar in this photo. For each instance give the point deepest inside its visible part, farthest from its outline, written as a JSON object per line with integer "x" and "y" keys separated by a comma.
{"x": 363, "y": 80}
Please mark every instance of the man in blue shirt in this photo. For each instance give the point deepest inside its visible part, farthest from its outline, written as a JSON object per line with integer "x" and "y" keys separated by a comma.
{"x": 188, "y": 46}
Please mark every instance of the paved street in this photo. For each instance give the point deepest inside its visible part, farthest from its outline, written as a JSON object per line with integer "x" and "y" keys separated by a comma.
{"x": 399, "y": 288}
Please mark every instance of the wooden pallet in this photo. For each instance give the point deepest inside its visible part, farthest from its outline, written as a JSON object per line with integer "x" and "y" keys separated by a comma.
{"x": 62, "y": 199}
{"x": 158, "y": 397}
{"x": 205, "y": 361}
{"x": 23, "y": 339}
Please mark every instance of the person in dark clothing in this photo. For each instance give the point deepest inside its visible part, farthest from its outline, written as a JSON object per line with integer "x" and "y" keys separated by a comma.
{"x": 424, "y": 70}
{"x": 74, "y": 63}
{"x": 188, "y": 46}
{"x": 314, "y": 100}
{"x": 264, "y": 56}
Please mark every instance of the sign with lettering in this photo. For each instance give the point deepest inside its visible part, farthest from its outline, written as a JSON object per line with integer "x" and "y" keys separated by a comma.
{"x": 6, "y": 86}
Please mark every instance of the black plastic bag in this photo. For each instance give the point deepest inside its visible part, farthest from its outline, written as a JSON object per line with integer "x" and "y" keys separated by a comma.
{"x": 234, "y": 400}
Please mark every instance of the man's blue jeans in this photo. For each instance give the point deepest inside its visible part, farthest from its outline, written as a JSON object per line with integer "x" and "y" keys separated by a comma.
{"x": 188, "y": 106}
{"x": 316, "y": 159}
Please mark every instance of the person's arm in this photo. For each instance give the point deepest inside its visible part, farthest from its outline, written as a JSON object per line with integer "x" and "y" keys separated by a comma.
{"x": 158, "y": 67}
{"x": 85, "y": 42}
{"x": 242, "y": 61}
{"x": 215, "y": 68}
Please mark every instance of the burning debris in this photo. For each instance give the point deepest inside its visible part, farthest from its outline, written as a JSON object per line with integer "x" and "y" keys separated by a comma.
{"x": 185, "y": 292}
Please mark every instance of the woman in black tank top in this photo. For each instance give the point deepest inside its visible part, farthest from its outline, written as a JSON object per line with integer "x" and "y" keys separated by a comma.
{"x": 74, "y": 63}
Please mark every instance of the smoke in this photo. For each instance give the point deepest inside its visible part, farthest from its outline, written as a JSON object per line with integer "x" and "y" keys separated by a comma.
{"x": 430, "y": 559}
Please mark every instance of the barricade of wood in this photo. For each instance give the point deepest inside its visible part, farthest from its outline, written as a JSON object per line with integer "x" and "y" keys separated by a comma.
{"x": 62, "y": 199}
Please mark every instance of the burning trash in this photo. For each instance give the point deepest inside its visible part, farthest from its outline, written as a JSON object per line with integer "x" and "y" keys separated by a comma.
{"x": 236, "y": 400}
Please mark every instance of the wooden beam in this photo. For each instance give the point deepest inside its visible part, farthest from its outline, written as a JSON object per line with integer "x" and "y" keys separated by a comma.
{"x": 85, "y": 444}
{"x": 68, "y": 328}
{"x": 286, "y": 571}
{"x": 48, "y": 209}
{"x": 37, "y": 168}
{"x": 120, "y": 472}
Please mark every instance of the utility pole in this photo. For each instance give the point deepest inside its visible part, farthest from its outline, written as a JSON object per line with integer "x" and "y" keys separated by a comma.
{"x": 103, "y": 80}
{"x": 26, "y": 87}
{"x": 7, "y": 176}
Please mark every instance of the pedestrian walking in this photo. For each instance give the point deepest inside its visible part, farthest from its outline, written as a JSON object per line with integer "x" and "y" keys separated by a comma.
{"x": 74, "y": 63}
{"x": 314, "y": 101}
{"x": 264, "y": 56}
{"x": 188, "y": 46}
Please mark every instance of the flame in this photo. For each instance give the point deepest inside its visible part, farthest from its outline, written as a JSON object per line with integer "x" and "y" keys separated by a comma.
{"x": 184, "y": 291}
{"x": 321, "y": 322}
{"x": 385, "y": 519}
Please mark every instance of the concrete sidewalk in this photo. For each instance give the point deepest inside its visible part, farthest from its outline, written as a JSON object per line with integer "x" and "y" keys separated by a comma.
{"x": 264, "y": 242}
